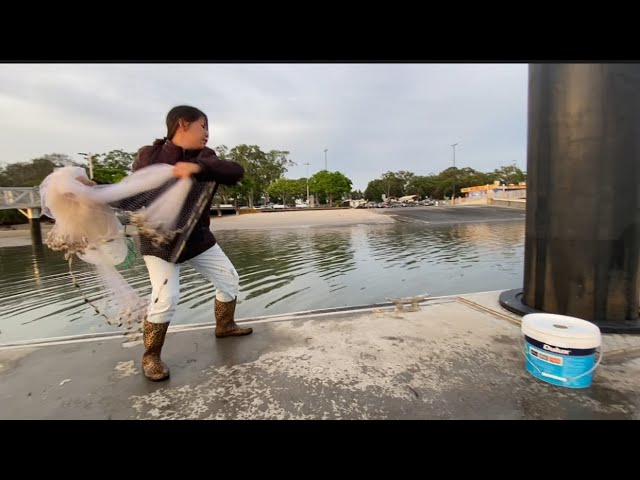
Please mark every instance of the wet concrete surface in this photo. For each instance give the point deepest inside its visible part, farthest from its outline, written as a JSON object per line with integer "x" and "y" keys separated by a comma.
{"x": 445, "y": 361}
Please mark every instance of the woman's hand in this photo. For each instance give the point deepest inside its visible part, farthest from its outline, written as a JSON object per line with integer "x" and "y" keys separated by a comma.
{"x": 86, "y": 181}
{"x": 185, "y": 169}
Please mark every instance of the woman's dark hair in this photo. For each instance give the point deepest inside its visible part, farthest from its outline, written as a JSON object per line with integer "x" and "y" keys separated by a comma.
{"x": 181, "y": 112}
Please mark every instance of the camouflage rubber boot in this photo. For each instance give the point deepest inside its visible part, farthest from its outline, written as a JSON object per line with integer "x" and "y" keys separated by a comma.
{"x": 225, "y": 326}
{"x": 153, "y": 367}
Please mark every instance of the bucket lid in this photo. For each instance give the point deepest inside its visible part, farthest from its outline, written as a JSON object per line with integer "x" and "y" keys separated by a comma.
{"x": 561, "y": 331}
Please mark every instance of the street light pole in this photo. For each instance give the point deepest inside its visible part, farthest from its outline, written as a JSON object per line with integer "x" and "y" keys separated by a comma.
{"x": 307, "y": 164}
{"x": 89, "y": 157}
{"x": 325, "y": 158}
{"x": 453, "y": 179}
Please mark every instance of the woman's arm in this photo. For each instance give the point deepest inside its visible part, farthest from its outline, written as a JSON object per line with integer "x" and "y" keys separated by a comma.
{"x": 142, "y": 158}
{"x": 86, "y": 181}
{"x": 221, "y": 171}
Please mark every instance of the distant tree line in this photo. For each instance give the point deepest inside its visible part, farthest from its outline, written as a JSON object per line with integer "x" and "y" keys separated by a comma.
{"x": 264, "y": 179}
{"x": 401, "y": 183}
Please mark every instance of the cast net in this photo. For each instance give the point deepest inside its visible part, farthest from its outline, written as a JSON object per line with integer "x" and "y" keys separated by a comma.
{"x": 89, "y": 225}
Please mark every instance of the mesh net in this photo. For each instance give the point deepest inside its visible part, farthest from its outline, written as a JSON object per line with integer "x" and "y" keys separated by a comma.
{"x": 89, "y": 225}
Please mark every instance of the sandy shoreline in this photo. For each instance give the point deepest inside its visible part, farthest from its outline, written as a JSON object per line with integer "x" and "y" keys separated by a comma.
{"x": 19, "y": 235}
{"x": 306, "y": 218}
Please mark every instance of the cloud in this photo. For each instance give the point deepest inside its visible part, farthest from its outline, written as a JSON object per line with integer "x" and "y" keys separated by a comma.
{"x": 372, "y": 118}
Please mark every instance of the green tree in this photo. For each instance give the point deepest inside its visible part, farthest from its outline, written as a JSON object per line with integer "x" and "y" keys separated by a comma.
{"x": 374, "y": 190}
{"x": 28, "y": 174}
{"x": 393, "y": 185}
{"x": 332, "y": 184}
{"x": 301, "y": 189}
{"x": 261, "y": 170}
{"x": 422, "y": 185}
{"x": 61, "y": 160}
{"x": 445, "y": 180}
{"x": 405, "y": 179}
{"x": 31, "y": 174}
{"x": 439, "y": 185}
{"x": 113, "y": 166}
{"x": 283, "y": 188}
{"x": 509, "y": 174}
{"x": 12, "y": 217}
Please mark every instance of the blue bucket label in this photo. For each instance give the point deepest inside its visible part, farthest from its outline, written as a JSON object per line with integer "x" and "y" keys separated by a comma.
{"x": 565, "y": 367}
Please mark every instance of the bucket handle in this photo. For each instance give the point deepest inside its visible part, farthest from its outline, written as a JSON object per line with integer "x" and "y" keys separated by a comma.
{"x": 524, "y": 351}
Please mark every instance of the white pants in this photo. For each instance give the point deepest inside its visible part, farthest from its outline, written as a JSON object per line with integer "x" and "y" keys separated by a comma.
{"x": 213, "y": 264}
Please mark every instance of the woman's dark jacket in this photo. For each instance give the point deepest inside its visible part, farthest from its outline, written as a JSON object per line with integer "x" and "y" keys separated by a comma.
{"x": 213, "y": 170}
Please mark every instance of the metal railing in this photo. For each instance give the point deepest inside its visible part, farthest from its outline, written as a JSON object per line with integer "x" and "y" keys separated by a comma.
{"x": 19, "y": 197}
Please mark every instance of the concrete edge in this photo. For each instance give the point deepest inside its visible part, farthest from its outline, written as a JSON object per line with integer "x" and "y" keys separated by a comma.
{"x": 300, "y": 315}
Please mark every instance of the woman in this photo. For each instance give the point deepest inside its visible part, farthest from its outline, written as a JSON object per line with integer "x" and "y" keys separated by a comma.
{"x": 184, "y": 147}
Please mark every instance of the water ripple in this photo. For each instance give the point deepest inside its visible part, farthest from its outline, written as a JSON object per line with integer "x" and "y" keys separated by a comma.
{"x": 280, "y": 271}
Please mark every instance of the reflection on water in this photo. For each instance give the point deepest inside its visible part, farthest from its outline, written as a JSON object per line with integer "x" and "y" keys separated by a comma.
{"x": 280, "y": 271}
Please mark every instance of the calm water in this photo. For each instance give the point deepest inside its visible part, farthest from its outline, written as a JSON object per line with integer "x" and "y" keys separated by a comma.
{"x": 280, "y": 271}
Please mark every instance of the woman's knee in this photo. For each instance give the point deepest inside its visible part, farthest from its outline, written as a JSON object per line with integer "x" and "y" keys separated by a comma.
{"x": 162, "y": 308}
{"x": 236, "y": 277}
{"x": 227, "y": 290}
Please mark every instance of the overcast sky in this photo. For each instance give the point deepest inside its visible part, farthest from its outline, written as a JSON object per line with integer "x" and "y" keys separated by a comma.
{"x": 372, "y": 118}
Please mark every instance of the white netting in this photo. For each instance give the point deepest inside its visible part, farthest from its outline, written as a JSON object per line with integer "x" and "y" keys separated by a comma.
{"x": 87, "y": 225}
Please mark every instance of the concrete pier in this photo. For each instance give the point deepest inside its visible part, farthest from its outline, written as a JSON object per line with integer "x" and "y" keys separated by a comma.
{"x": 456, "y": 357}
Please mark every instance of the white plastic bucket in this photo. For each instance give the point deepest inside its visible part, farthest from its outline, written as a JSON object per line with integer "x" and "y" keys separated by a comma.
{"x": 561, "y": 350}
